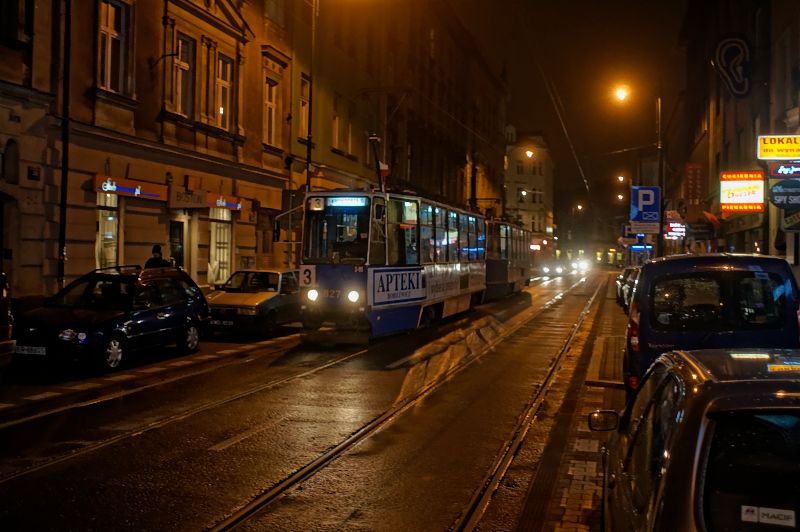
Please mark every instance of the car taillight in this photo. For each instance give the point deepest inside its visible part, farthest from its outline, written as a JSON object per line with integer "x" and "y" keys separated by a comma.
{"x": 633, "y": 327}
{"x": 633, "y": 382}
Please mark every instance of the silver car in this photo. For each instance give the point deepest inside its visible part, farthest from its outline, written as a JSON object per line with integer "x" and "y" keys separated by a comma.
{"x": 255, "y": 300}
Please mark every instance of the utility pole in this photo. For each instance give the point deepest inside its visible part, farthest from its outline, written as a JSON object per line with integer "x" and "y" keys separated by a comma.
{"x": 314, "y": 9}
{"x": 62, "y": 217}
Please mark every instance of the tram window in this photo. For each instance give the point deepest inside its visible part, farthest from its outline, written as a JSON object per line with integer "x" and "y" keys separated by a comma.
{"x": 503, "y": 242}
{"x": 463, "y": 237}
{"x": 427, "y": 235}
{"x": 481, "y": 239}
{"x": 377, "y": 244}
{"x": 493, "y": 240}
{"x": 440, "y": 234}
{"x": 403, "y": 227}
{"x": 452, "y": 237}
{"x": 473, "y": 238}
{"x": 337, "y": 233}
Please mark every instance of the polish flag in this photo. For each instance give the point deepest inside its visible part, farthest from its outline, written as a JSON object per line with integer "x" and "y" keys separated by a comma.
{"x": 384, "y": 169}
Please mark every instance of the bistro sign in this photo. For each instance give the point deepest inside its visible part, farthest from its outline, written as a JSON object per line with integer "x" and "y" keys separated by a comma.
{"x": 741, "y": 191}
{"x": 778, "y": 147}
{"x": 129, "y": 187}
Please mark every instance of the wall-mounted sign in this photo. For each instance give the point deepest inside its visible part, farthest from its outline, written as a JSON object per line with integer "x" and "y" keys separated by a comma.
{"x": 741, "y": 191}
{"x": 181, "y": 198}
{"x": 783, "y": 170}
{"x": 790, "y": 221}
{"x": 675, "y": 230}
{"x": 732, "y": 61}
{"x": 778, "y": 147}
{"x": 129, "y": 187}
{"x": 221, "y": 201}
{"x": 785, "y": 194}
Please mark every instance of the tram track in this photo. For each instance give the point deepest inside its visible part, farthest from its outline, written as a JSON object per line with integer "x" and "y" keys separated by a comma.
{"x": 163, "y": 422}
{"x": 470, "y": 519}
{"x": 250, "y": 511}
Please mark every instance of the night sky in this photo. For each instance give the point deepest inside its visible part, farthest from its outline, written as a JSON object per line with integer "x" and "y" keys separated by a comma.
{"x": 585, "y": 48}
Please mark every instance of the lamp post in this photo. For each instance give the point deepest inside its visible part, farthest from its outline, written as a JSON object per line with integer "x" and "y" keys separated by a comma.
{"x": 621, "y": 93}
{"x": 314, "y": 11}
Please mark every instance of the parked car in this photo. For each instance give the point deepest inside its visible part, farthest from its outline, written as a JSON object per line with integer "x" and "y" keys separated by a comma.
{"x": 710, "y": 441}
{"x": 620, "y": 282}
{"x": 110, "y": 313}
{"x": 7, "y": 344}
{"x": 257, "y": 300}
{"x": 708, "y": 301}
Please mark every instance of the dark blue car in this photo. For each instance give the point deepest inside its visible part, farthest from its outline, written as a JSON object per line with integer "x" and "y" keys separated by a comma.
{"x": 709, "y": 301}
{"x": 109, "y": 313}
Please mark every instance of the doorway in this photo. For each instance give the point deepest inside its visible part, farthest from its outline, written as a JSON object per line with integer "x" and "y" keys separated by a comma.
{"x": 176, "y": 242}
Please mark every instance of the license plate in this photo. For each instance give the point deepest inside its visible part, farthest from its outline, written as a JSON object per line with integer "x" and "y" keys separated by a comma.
{"x": 226, "y": 323}
{"x": 30, "y": 350}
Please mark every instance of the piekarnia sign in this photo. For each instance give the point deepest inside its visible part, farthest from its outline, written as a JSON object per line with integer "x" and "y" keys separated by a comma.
{"x": 778, "y": 147}
{"x": 397, "y": 285}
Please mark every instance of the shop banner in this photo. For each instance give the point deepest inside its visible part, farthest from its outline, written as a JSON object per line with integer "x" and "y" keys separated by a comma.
{"x": 784, "y": 170}
{"x": 741, "y": 191}
{"x": 180, "y": 198}
{"x": 129, "y": 187}
{"x": 222, "y": 201}
{"x": 778, "y": 147}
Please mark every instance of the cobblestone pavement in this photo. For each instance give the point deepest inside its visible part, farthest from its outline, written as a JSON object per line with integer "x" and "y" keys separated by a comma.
{"x": 575, "y": 505}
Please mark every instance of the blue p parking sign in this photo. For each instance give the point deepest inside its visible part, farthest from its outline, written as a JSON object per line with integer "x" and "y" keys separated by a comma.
{"x": 646, "y": 209}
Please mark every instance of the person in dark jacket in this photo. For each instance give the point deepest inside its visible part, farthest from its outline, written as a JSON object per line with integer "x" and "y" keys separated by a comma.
{"x": 157, "y": 261}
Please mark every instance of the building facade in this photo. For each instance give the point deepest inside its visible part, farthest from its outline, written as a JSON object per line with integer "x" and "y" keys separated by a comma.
{"x": 192, "y": 123}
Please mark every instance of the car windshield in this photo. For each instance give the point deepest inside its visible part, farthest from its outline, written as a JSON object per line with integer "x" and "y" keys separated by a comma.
{"x": 718, "y": 301}
{"x": 338, "y": 231}
{"x": 752, "y": 465}
{"x": 105, "y": 292}
{"x": 252, "y": 282}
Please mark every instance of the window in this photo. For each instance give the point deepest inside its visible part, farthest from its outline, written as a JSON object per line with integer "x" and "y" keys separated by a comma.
{"x": 184, "y": 76}
{"x": 348, "y": 133}
{"x": 274, "y": 11}
{"x": 224, "y": 91}
{"x": 171, "y": 291}
{"x": 9, "y": 169}
{"x": 427, "y": 235}
{"x": 112, "y": 45}
{"x": 107, "y": 240}
{"x": 16, "y": 20}
{"x": 305, "y": 102}
{"x": 452, "y": 236}
{"x": 219, "y": 255}
{"x": 270, "y": 112}
{"x": 463, "y": 237}
{"x": 440, "y": 234}
{"x": 481, "y": 239}
{"x": 520, "y": 167}
{"x": 339, "y": 232}
{"x": 377, "y": 244}
{"x": 336, "y": 123}
{"x": 402, "y": 232}
{"x": 752, "y": 462}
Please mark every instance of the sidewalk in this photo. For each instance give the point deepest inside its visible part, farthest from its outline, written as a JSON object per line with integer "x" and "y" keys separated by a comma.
{"x": 575, "y": 505}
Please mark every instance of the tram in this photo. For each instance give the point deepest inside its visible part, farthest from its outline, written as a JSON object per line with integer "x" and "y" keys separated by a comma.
{"x": 384, "y": 262}
{"x": 509, "y": 259}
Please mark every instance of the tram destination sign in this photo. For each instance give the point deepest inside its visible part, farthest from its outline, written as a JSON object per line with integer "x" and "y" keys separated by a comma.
{"x": 785, "y": 194}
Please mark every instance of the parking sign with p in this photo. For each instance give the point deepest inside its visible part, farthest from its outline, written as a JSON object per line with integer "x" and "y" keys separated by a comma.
{"x": 646, "y": 208}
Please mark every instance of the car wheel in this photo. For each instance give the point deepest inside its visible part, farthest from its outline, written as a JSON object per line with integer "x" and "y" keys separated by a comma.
{"x": 189, "y": 338}
{"x": 111, "y": 356}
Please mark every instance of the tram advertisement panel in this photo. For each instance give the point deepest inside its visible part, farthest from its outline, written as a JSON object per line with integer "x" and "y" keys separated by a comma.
{"x": 389, "y": 286}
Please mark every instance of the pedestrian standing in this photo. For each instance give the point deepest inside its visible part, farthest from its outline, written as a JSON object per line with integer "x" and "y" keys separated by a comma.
{"x": 157, "y": 261}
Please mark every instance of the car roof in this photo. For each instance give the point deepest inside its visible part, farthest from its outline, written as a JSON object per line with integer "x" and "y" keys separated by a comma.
{"x": 742, "y": 364}
{"x": 714, "y": 259}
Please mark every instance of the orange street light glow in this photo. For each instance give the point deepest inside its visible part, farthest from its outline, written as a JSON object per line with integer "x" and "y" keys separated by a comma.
{"x": 622, "y": 93}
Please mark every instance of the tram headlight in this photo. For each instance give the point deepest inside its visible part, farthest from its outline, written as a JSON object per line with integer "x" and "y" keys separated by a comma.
{"x": 546, "y": 269}
{"x": 353, "y": 296}
{"x": 559, "y": 269}
{"x": 312, "y": 295}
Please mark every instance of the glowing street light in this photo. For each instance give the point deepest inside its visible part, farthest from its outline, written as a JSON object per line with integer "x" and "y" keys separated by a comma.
{"x": 579, "y": 207}
{"x": 620, "y": 197}
{"x": 622, "y": 92}
{"x": 621, "y": 178}
{"x": 529, "y": 153}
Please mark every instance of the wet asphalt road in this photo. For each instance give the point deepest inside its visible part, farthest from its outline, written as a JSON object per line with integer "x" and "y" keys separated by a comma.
{"x": 193, "y": 447}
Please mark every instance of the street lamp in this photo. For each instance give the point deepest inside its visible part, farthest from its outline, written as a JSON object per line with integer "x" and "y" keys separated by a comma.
{"x": 620, "y": 197}
{"x": 529, "y": 153}
{"x": 621, "y": 178}
{"x": 622, "y": 92}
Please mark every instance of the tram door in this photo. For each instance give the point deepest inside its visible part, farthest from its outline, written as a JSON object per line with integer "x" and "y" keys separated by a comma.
{"x": 377, "y": 231}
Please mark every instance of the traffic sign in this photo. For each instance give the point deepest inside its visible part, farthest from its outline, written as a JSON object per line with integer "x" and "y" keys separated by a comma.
{"x": 645, "y": 209}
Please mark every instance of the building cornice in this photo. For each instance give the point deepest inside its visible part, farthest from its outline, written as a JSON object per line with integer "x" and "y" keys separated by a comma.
{"x": 25, "y": 94}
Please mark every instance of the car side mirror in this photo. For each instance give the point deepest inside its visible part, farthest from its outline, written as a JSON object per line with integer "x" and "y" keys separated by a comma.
{"x": 603, "y": 420}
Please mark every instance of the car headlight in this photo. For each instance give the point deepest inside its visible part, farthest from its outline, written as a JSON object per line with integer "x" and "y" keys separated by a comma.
{"x": 353, "y": 296}
{"x": 312, "y": 295}
{"x": 67, "y": 335}
{"x": 559, "y": 269}
{"x": 546, "y": 269}
{"x": 247, "y": 311}
{"x": 584, "y": 264}
{"x": 574, "y": 265}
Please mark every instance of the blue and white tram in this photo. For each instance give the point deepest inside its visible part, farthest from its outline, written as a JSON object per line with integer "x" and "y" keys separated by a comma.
{"x": 387, "y": 262}
{"x": 509, "y": 259}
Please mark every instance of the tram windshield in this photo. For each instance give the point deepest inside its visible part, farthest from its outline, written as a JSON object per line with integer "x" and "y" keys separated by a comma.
{"x": 336, "y": 230}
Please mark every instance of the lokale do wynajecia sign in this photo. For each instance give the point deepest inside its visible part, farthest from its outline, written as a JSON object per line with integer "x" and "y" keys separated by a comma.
{"x": 785, "y": 194}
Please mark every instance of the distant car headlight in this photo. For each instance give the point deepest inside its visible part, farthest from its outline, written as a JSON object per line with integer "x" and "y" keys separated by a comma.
{"x": 247, "y": 311}
{"x": 312, "y": 295}
{"x": 559, "y": 269}
{"x": 584, "y": 264}
{"x": 353, "y": 296}
{"x": 574, "y": 265}
{"x": 546, "y": 269}
{"x": 67, "y": 335}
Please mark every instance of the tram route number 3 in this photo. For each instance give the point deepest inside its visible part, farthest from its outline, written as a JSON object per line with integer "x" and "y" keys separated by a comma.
{"x": 308, "y": 276}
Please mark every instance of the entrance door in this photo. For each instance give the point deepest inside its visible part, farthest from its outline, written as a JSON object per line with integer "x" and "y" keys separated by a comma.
{"x": 176, "y": 242}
